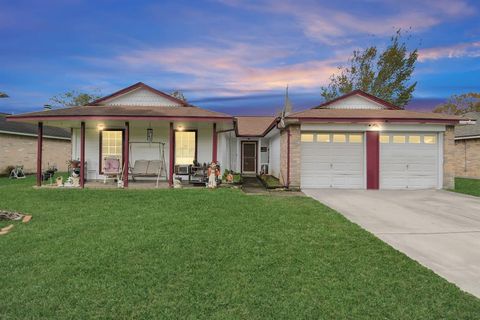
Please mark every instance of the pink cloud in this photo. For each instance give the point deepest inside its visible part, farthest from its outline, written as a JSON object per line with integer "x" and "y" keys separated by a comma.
{"x": 470, "y": 49}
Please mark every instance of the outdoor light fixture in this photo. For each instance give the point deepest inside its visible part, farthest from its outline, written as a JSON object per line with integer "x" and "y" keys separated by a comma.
{"x": 100, "y": 127}
{"x": 374, "y": 127}
{"x": 180, "y": 128}
{"x": 149, "y": 135}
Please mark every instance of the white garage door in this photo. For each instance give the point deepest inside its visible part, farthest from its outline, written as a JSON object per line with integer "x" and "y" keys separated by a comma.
{"x": 409, "y": 160}
{"x": 332, "y": 160}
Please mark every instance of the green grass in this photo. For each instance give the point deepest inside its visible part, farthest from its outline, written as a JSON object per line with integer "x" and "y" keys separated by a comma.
{"x": 467, "y": 186}
{"x": 270, "y": 181}
{"x": 211, "y": 254}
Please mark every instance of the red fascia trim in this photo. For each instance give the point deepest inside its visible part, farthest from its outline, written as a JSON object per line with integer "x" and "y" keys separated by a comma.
{"x": 363, "y": 120}
{"x": 171, "y": 118}
{"x": 39, "y": 153}
{"x": 137, "y": 86}
{"x": 373, "y": 159}
{"x": 364, "y": 94}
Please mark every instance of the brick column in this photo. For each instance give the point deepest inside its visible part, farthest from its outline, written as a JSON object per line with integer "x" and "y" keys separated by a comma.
{"x": 449, "y": 158}
{"x": 290, "y": 149}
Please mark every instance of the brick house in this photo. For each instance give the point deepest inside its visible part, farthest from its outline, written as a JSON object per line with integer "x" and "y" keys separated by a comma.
{"x": 467, "y": 148}
{"x": 356, "y": 141}
{"x": 18, "y": 146}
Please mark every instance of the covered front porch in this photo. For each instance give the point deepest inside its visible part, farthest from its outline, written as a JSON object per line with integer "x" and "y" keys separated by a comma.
{"x": 150, "y": 152}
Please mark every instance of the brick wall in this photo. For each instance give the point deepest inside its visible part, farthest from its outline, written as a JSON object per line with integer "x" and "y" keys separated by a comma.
{"x": 295, "y": 149}
{"x": 467, "y": 158}
{"x": 22, "y": 150}
{"x": 449, "y": 158}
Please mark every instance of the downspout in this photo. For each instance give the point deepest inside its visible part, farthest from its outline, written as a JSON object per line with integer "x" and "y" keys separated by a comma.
{"x": 288, "y": 157}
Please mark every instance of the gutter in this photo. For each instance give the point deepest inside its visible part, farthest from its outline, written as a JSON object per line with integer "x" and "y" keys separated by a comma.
{"x": 288, "y": 158}
{"x": 33, "y": 135}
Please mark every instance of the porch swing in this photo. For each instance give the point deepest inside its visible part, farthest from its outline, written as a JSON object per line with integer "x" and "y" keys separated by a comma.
{"x": 148, "y": 168}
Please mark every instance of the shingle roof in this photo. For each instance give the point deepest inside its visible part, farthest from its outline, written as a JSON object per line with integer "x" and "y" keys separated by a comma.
{"x": 30, "y": 129}
{"x": 124, "y": 111}
{"x": 469, "y": 130}
{"x": 369, "y": 114}
{"x": 254, "y": 126}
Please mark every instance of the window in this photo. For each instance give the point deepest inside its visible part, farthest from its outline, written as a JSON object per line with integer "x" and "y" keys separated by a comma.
{"x": 306, "y": 137}
{"x": 384, "y": 138}
{"x": 111, "y": 142}
{"x": 414, "y": 139}
{"x": 323, "y": 137}
{"x": 398, "y": 139}
{"x": 430, "y": 139}
{"x": 339, "y": 138}
{"x": 355, "y": 138}
{"x": 185, "y": 147}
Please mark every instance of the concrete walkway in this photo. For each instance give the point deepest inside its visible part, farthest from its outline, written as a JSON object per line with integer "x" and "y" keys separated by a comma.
{"x": 439, "y": 229}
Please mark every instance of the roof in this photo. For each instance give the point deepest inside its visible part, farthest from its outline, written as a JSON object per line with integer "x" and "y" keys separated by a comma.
{"x": 342, "y": 115}
{"x": 254, "y": 126}
{"x": 359, "y": 92}
{"x": 121, "y": 112}
{"x": 469, "y": 130}
{"x": 134, "y": 87}
{"x": 30, "y": 129}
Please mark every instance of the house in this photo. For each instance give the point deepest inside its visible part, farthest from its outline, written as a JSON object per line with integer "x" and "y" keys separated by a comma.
{"x": 18, "y": 146}
{"x": 354, "y": 141}
{"x": 467, "y": 148}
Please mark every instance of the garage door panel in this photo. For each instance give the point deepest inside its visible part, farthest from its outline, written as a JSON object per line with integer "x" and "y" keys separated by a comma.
{"x": 332, "y": 165}
{"x": 408, "y": 165}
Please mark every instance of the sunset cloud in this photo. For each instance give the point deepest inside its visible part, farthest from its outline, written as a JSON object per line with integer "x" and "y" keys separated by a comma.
{"x": 460, "y": 50}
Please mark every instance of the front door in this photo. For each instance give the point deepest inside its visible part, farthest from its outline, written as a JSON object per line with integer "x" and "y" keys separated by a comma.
{"x": 249, "y": 156}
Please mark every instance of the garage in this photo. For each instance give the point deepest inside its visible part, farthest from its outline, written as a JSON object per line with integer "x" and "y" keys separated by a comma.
{"x": 409, "y": 160}
{"x": 332, "y": 160}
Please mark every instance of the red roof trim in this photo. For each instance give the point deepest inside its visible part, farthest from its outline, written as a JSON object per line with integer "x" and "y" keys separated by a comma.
{"x": 200, "y": 118}
{"x": 365, "y": 95}
{"x": 137, "y": 86}
{"x": 361, "y": 120}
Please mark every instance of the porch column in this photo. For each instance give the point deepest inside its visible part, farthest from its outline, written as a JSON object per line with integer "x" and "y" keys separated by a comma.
{"x": 126, "y": 154}
{"x": 214, "y": 142}
{"x": 39, "y": 153}
{"x": 82, "y": 155}
{"x": 171, "y": 154}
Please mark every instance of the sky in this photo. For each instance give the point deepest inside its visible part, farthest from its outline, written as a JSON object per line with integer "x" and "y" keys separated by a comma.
{"x": 232, "y": 56}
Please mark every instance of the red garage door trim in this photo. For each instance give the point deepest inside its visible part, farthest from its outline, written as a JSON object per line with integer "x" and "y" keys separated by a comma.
{"x": 373, "y": 159}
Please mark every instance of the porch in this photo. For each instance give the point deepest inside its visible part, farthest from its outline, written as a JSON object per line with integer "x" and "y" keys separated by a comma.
{"x": 169, "y": 145}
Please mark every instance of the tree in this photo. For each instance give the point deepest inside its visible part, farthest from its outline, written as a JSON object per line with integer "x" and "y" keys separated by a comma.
{"x": 3, "y": 95}
{"x": 460, "y": 104}
{"x": 383, "y": 74}
{"x": 74, "y": 98}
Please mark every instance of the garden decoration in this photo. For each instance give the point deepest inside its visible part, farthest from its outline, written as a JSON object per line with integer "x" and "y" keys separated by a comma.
{"x": 17, "y": 173}
{"x": 15, "y": 216}
{"x": 213, "y": 173}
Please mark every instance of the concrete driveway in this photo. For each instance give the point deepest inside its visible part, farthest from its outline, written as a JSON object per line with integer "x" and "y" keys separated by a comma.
{"x": 439, "y": 229}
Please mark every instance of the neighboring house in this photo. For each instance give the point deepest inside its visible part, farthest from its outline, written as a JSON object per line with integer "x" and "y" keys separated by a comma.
{"x": 467, "y": 147}
{"x": 18, "y": 146}
{"x": 355, "y": 141}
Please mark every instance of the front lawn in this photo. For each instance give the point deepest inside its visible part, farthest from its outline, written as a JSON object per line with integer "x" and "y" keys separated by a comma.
{"x": 467, "y": 186}
{"x": 211, "y": 254}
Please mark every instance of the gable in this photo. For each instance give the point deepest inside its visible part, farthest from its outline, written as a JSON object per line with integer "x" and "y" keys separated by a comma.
{"x": 140, "y": 97}
{"x": 355, "y": 102}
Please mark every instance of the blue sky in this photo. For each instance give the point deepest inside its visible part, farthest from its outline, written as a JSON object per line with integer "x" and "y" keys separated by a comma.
{"x": 229, "y": 55}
